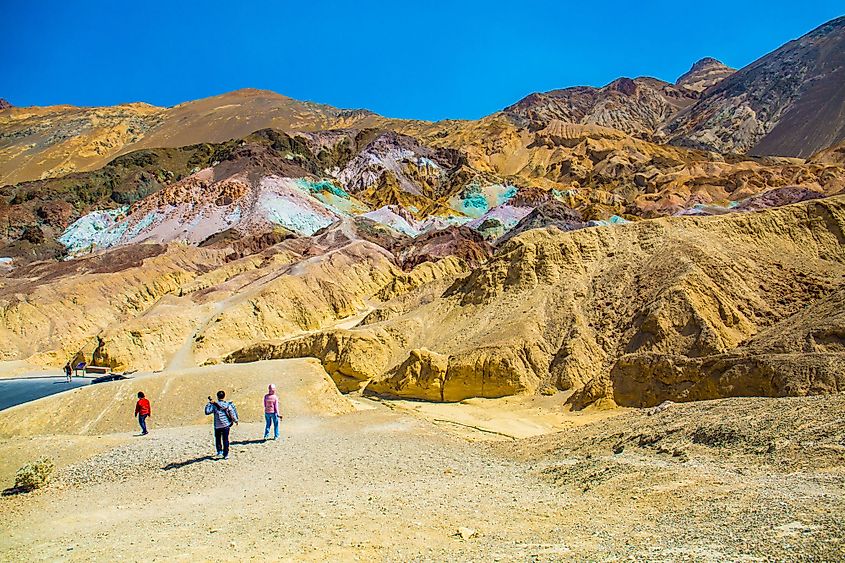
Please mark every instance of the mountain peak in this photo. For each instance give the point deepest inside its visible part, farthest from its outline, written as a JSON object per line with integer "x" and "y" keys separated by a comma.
{"x": 4, "y": 104}
{"x": 703, "y": 74}
{"x": 706, "y": 62}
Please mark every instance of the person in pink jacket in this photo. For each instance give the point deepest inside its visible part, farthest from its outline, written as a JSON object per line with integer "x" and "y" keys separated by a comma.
{"x": 271, "y": 412}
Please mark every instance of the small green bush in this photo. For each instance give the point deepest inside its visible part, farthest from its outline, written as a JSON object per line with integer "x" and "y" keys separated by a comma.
{"x": 34, "y": 475}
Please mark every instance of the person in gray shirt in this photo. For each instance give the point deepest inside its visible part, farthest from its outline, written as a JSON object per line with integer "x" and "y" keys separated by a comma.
{"x": 225, "y": 415}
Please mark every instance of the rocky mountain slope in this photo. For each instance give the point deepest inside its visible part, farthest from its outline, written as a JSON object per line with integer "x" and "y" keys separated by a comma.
{"x": 638, "y": 106}
{"x": 487, "y": 175}
{"x": 790, "y": 102}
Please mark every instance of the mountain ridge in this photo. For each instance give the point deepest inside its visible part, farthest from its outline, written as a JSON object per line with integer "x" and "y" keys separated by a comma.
{"x": 710, "y": 107}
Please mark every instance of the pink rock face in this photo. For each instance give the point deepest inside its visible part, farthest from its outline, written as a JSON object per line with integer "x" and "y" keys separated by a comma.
{"x": 196, "y": 208}
{"x": 507, "y": 215}
{"x": 396, "y": 218}
{"x": 778, "y": 197}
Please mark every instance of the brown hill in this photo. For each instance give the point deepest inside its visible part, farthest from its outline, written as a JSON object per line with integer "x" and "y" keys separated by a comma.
{"x": 237, "y": 114}
{"x": 790, "y": 102}
{"x": 638, "y": 106}
{"x": 38, "y": 142}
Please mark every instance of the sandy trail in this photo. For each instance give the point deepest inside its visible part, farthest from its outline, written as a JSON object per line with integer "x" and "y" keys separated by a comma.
{"x": 370, "y": 484}
{"x": 387, "y": 484}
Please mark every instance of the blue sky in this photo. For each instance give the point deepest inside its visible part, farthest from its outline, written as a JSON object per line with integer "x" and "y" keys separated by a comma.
{"x": 428, "y": 60}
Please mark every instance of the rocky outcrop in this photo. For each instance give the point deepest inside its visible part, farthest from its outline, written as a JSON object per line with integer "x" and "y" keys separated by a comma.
{"x": 401, "y": 161}
{"x": 489, "y": 372}
{"x": 421, "y": 376}
{"x": 461, "y": 242}
{"x": 778, "y": 197}
{"x": 350, "y": 358}
{"x": 551, "y": 213}
{"x": 831, "y": 155}
{"x": 649, "y": 379}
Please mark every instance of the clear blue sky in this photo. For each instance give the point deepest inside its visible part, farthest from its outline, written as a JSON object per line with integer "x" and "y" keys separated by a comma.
{"x": 428, "y": 59}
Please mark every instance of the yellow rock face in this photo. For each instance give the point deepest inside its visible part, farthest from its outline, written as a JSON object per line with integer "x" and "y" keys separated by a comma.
{"x": 55, "y": 311}
{"x": 579, "y": 309}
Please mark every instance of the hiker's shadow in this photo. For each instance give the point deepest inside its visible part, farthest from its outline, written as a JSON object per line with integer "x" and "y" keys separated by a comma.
{"x": 180, "y": 464}
{"x": 247, "y": 442}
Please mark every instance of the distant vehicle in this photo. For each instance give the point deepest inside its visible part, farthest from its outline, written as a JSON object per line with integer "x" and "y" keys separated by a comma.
{"x": 109, "y": 377}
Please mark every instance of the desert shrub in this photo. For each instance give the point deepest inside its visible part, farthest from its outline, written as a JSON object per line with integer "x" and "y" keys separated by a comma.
{"x": 34, "y": 475}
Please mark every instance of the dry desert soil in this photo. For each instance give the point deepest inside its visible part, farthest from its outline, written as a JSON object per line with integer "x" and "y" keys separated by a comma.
{"x": 352, "y": 478}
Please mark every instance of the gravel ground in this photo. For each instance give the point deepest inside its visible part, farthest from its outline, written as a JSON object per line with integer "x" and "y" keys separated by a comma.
{"x": 382, "y": 485}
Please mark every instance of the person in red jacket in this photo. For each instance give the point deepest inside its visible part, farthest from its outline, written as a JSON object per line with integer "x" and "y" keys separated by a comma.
{"x": 142, "y": 411}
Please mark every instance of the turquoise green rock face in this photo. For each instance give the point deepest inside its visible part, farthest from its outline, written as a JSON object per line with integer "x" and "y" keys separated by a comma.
{"x": 338, "y": 199}
{"x": 475, "y": 200}
{"x": 322, "y": 186}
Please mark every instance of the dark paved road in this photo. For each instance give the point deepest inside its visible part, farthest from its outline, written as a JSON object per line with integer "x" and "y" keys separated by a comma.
{"x": 16, "y": 391}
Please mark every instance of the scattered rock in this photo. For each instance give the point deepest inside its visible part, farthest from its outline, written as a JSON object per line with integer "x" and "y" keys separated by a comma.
{"x": 659, "y": 408}
{"x": 466, "y": 533}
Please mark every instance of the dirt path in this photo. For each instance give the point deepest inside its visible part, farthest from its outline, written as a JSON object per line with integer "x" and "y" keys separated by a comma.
{"x": 371, "y": 484}
{"x": 736, "y": 480}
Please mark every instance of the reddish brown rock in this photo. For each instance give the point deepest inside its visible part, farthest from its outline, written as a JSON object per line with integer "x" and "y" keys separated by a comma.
{"x": 462, "y": 242}
{"x": 58, "y": 214}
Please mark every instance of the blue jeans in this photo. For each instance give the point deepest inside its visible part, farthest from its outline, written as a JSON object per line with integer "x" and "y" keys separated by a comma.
{"x": 221, "y": 440}
{"x": 271, "y": 418}
{"x": 142, "y": 420}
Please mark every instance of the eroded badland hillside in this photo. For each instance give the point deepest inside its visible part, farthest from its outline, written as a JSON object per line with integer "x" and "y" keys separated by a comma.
{"x": 602, "y": 323}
